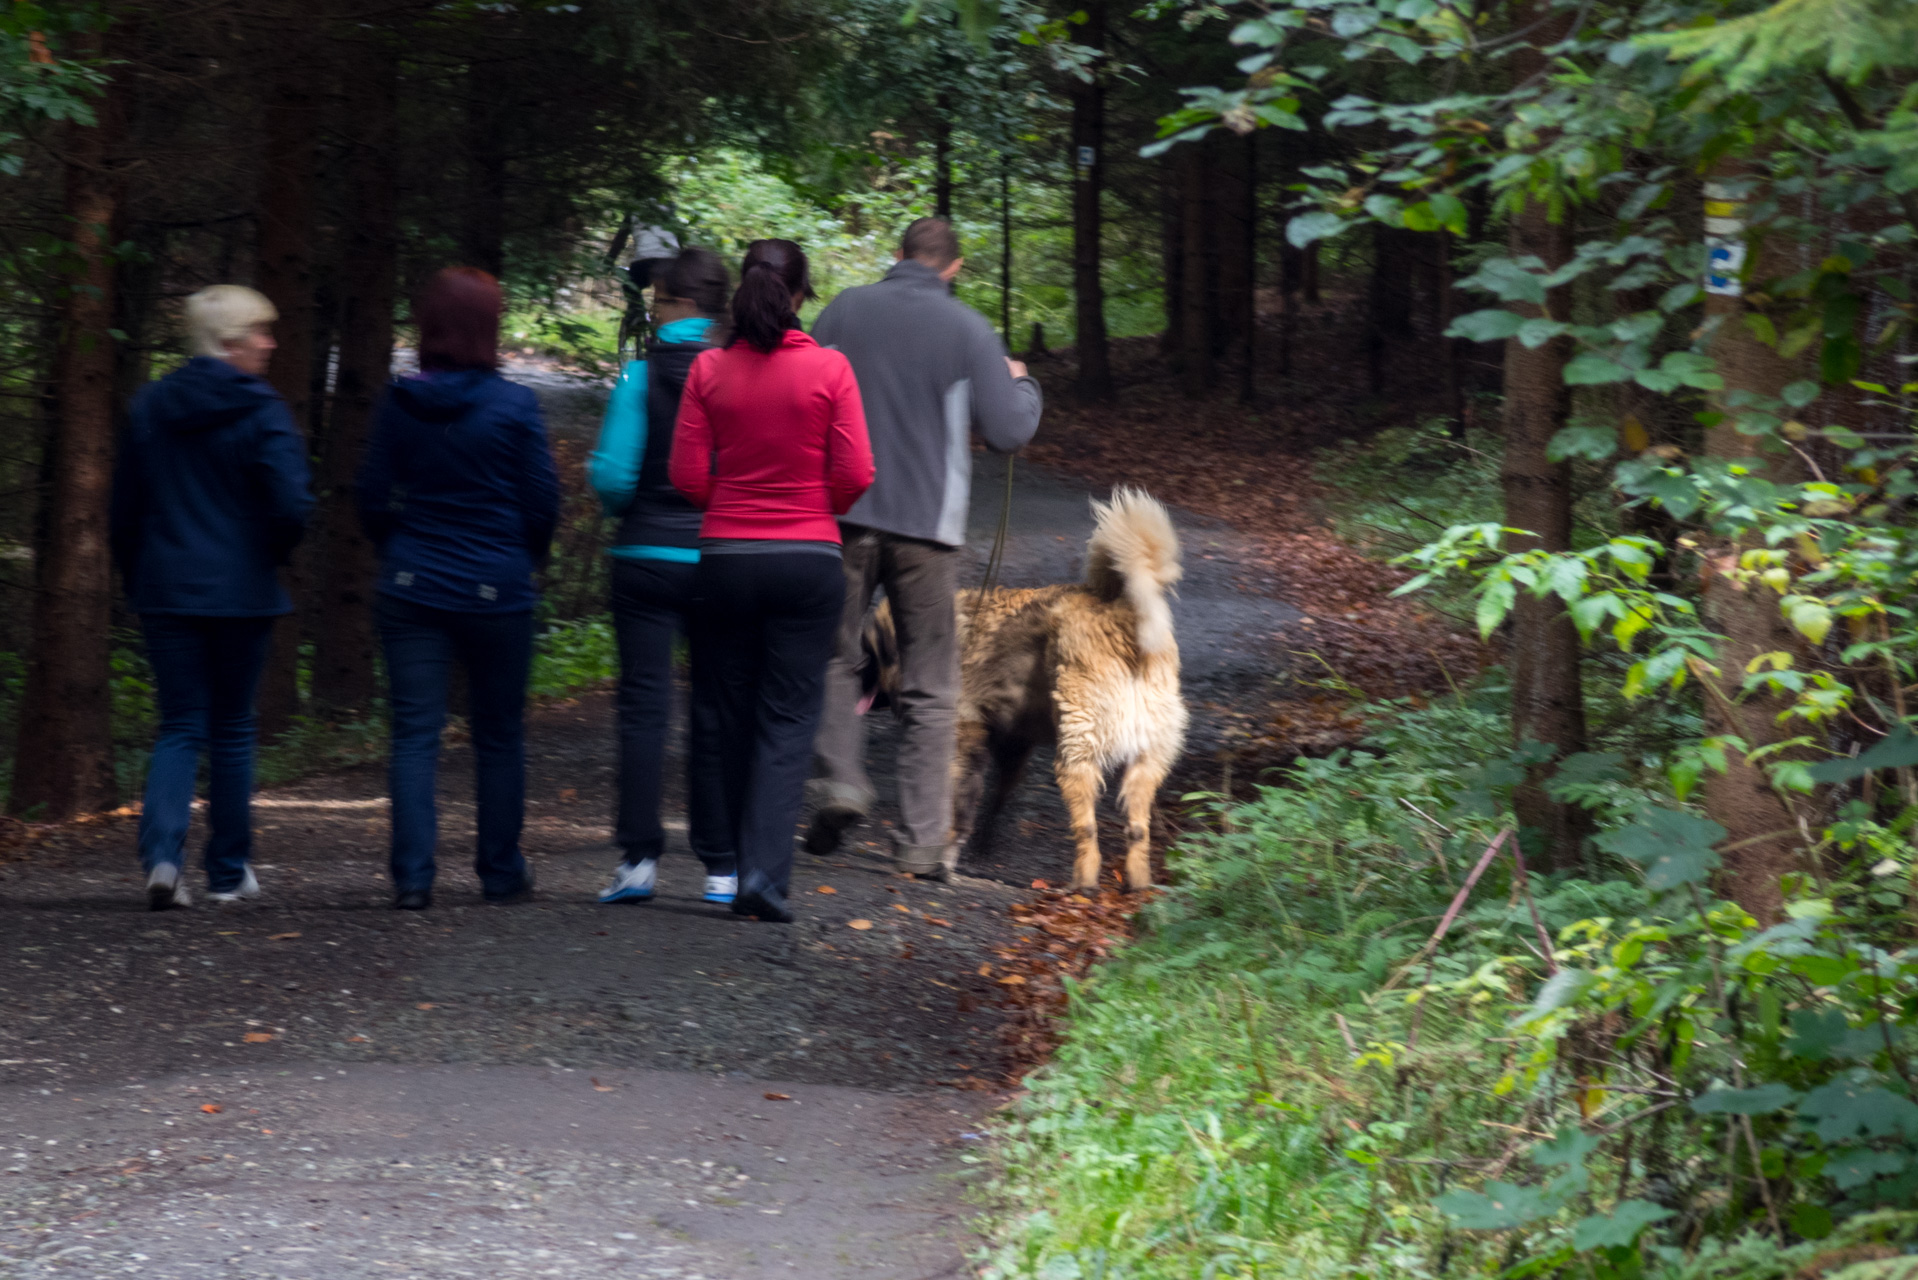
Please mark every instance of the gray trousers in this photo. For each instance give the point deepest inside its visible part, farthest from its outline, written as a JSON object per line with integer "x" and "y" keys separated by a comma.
{"x": 921, "y": 579}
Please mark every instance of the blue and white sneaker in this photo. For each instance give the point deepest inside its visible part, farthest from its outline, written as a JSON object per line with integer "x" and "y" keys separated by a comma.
{"x": 722, "y": 888}
{"x": 633, "y": 882}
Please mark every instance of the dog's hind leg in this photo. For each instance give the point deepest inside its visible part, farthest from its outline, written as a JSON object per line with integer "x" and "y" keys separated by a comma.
{"x": 1009, "y": 756}
{"x": 1137, "y": 791}
{"x": 968, "y": 779}
{"x": 1079, "y": 783}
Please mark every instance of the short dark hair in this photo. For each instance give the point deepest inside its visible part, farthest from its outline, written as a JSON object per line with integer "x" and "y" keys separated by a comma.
{"x": 775, "y": 271}
{"x": 458, "y": 313}
{"x": 697, "y": 276}
{"x": 931, "y": 241}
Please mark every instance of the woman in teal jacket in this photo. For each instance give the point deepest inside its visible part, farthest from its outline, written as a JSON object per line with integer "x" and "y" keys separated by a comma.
{"x": 654, "y": 554}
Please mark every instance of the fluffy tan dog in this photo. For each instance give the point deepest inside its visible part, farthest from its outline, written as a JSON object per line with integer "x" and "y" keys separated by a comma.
{"x": 1091, "y": 667}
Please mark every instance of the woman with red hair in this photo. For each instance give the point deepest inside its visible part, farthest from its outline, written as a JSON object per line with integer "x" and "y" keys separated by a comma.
{"x": 460, "y": 495}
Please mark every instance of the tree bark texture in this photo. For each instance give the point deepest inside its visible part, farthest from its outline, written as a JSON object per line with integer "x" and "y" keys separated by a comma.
{"x": 1198, "y": 290}
{"x": 1548, "y": 706}
{"x": 64, "y": 762}
{"x": 1232, "y": 247}
{"x": 1172, "y": 251}
{"x": 343, "y": 673}
{"x": 286, "y": 277}
{"x": 1088, "y": 285}
{"x": 942, "y": 157}
{"x": 1747, "y": 616}
{"x": 483, "y": 238}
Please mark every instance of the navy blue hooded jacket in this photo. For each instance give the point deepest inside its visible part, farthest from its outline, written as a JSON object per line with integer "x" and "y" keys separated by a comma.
{"x": 211, "y": 493}
{"x": 459, "y": 492}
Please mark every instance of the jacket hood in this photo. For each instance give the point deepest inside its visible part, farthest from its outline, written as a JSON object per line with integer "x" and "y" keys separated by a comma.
{"x": 442, "y": 396}
{"x": 203, "y": 394}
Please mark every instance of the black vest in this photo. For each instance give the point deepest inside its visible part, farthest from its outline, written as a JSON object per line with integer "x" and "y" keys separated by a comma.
{"x": 659, "y": 515}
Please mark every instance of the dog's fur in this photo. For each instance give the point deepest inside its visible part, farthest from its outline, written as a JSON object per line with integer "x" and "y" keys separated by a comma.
{"x": 1091, "y": 667}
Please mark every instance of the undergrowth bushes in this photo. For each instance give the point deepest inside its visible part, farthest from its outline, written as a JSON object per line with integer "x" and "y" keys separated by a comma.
{"x": 1594, "y": 1077}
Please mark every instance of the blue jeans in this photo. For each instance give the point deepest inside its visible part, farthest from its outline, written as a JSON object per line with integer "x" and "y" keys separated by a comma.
{"x": 206, "y": 671}
{"x": 497, "y": 651}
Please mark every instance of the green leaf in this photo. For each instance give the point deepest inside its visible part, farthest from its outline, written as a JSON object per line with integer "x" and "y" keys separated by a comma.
{"x": 1587, "y": 769}
{"x": 1812, "y": 1221}
{"x": 1588, "y": 368}
{"x": 1674, "y": 848}
{"x": 1800, "y": 393}
{"x": 1494, "y": 325}
{"x": 1538, "y": 331}
{"x": 1811, "y": 618}
{"x": 1563, "y": 988}
{"x": 1619, "y": 1231}
{"x": 1450, "y": 212}
{"x": 1844, "y": 1109}
{"x": 1494, "y": 603}
{"x": 1899, "y": 750}
{"x": 1307, "y": 227}
{"x": 1500, "y": 1206}
{"x": 1759, "y": 1101}
{"x": 1569, "y": 1148}
{"x": 1597, "y": 441}
{"x": 1815, "y": 1033}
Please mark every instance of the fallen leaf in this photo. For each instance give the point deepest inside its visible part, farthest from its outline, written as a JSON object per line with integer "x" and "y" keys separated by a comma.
{"x": 1040, "y": 884}
{"x": 257, "y": 1037}
{"x": 267, "y": 1132}
{"x": 426, "y": 1005}
{"x": 779, "y": 1097}
{"x": 280, "y": 937}
{"x": 985, "y": 971}
{"x": 1012, "y": 980}
{"x": 945, "y": 924}
{"x": 859, "y": 924}
{"x": 212, "y": 1108}
{"x": 356, "y": 1039}
{"x": 601, "y": 1088}
{"x": 571, "y": 793}
{"x": 900, "y": 906}
{"x": 825, "y": 888}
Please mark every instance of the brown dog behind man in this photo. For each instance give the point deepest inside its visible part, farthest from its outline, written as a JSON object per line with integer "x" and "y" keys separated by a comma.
{"x": 1090, "y": 667}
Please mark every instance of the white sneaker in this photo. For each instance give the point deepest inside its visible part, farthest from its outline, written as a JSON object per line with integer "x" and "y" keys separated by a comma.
{"x": 632, "y": 882}
{"x": 249, "y": 887}
{"x": 166, "y": 888}
{"x": 722, "y": 888}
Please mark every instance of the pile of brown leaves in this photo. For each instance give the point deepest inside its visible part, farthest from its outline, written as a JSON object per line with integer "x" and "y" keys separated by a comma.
{"x": 1061, "y": 935}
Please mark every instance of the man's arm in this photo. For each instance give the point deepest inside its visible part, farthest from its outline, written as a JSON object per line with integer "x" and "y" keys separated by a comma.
{"x": 1005, "y": 408}
{"x": 614, "y": 466}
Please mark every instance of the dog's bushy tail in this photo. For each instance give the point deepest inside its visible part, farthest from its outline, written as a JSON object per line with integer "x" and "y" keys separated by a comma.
{"x": 1134, "y": 552}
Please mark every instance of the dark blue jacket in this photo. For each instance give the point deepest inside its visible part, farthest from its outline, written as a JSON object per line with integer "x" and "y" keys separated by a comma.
{"x": 459, "y": 492}
{"x": 211, "y": 493}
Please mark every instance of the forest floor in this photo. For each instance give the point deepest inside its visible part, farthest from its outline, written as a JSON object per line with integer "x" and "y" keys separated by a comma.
{"x": 313, "y": 1085}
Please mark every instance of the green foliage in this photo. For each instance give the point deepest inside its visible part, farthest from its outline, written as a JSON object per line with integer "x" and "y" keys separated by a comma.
{"x": 1281, "y": 1077}
{"x": 573, "y": 656}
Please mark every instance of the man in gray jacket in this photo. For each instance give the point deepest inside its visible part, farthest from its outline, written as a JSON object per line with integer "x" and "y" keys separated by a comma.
{"x": 931, "y": 372}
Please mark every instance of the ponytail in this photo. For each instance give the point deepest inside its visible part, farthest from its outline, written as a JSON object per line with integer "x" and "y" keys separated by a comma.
{"x": 774, "y": 272}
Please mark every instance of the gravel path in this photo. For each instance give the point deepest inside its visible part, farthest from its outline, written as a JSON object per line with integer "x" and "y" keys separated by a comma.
{"x": 315, "y": 1086}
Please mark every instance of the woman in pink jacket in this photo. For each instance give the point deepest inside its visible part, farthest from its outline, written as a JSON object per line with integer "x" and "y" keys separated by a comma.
{"x": 771, "y": 445}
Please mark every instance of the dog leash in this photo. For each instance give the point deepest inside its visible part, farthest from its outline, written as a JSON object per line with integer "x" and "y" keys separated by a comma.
{"x": 999, "y": 538}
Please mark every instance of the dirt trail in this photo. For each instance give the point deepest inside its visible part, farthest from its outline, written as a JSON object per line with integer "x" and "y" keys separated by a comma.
{"x": 316, "y": 1086}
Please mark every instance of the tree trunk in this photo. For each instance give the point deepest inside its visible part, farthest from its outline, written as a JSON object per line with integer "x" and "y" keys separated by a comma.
{"x": 1548, "y": 707}
{"x": 1231, "y": 247}
{"x": 286, "y": 277}
{"x": 942, "y": 158}
{"x": 63, "y": 765}
{"x": 1172, "y": 252}
{"x": 343, "y": 676}
{"x": 1198, "y": 292}
{"x": 1740, "y": 799}
{"x": 1249, "y": 365}
{"x": 483, "y": 236}
{"x": 1388, "y": 297}
{"x": 1088, "y": 159}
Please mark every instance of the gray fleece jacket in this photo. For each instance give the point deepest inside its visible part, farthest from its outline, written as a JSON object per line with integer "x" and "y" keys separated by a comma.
{"x": 931, "y": 371}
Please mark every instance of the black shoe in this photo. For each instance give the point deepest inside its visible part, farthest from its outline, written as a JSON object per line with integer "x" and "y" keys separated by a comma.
{"x": 828, "y": 826}
{"x": 412, "y": 899}
{"x": 761, "y": 901}
{"x": 524, "y": 893}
